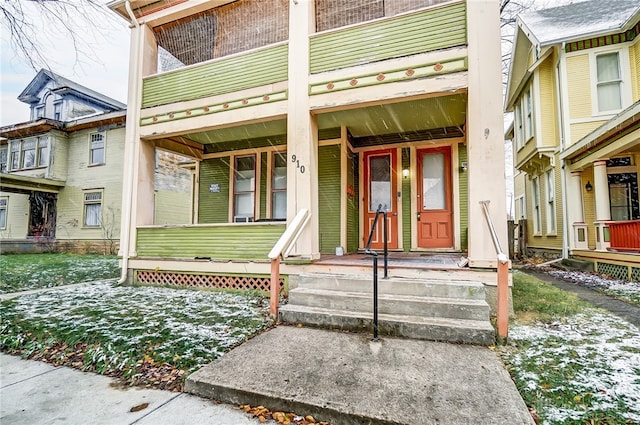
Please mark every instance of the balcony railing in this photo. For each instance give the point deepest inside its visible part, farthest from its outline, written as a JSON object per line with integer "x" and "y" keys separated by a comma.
{"x": 625, "y": 235}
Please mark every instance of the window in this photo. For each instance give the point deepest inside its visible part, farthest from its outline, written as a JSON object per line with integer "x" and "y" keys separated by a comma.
{"x": 609, "y": 82}
{"x": 43, "y": 151}
{"x": 92, "y": 209}
{"x": 4, "y": 152}
{"x": 244, "y": 184}
{"x": 96, "y": 149}
{"x": 3, "y": 213}
{"x": 519, "y": 128}
{"x": 551, "y": 203}
{"x": 28, "y": 153}
{"x": 14, "y": 160}
{"x": 536, "y": 205}
{"x": 279, "y": 186}
{"x": 521, "y": 213}
{"x": 39, "y": 112}
{"x": 528, "y": 115}
{"x": 57, "y": 111}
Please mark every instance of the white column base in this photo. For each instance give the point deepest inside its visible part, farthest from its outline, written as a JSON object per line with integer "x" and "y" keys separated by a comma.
{"x": 603, "y": 239}
{"x": 580, "y": 235}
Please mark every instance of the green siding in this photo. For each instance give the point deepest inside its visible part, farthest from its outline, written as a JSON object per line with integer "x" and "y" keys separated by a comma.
{"x": 463, "y": 196}
{"x": 263, "y": 184}
{"x": 406, "y": 203}
{"x": 405, "y": 35}
{"x": 230, "y": 242}
{"x": 214, "y": 207}
{"x": 352, "y": 205}
{"x": 329, "y": 197}
{"x": 242, "y": 71}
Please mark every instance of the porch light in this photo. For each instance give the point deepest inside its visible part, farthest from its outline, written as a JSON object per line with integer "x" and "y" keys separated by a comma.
{"x": 588, "y": 186}
{"x": 405, "y": 173}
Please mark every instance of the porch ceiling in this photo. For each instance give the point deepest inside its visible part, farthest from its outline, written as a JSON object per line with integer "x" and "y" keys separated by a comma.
{"x": 390, "y": 118}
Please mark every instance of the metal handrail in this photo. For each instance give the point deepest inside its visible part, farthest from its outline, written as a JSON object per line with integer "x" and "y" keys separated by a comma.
{"x": 374, "y": 254}
{"x": 503, "y": 277}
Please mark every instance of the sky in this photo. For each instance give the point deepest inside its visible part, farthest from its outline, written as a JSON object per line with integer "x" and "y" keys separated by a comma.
{"x": 101, "y": 66}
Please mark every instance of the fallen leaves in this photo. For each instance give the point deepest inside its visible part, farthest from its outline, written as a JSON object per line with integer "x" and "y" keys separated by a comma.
{"x": 139, "y": 407}
{"x": 263, "y": 415}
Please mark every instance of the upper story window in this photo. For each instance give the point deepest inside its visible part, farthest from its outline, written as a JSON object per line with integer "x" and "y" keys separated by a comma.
{"x": 28, "y": 153}
{"x": 524, "y": 124}
{"x": 537, "y": 219}
{"x": 96, "y": 148}
{"x": 4, "y": 156}
{"x": 57, "y": 111}
{"x": 609, "y": 82}
{"x": 39, "y": 112}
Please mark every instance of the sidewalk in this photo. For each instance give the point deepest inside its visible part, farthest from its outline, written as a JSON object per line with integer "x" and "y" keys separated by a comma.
{"x": 33, "y": 393}
{"x": 627, "y": 311}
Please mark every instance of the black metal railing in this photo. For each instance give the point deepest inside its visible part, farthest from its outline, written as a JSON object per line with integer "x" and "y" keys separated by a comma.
{"x": 374, "y": 254}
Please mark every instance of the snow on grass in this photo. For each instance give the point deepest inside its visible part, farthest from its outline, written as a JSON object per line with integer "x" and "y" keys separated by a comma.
{"x": 23, "y": 272}
{"x": 627, "y": 291}
{"x": 122, "y": 324}
{"x": 583, "y": 368}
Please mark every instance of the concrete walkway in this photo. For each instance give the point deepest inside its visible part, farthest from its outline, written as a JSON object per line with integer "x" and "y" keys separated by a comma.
{"x": 344, "y": 378}
{"x": 33, "y": 393}
{"x": 627, "y": 311}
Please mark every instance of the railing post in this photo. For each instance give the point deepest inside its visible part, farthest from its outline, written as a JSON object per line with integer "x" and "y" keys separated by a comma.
{"x": 503, "y": 298}
{"x": 375, "y": 298}
{"x": 274, "y": 287}
{"x": 384, "y": 235}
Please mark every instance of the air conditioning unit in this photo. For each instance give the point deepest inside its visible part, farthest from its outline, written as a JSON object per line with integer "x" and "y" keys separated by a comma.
{"x": 242, "y": 219}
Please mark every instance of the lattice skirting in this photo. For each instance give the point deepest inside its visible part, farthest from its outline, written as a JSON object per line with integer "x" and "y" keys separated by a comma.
{"x": 618, "y": 271}
{"x": 261, "y": 283}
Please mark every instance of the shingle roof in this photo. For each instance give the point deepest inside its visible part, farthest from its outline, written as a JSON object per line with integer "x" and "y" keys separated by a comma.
{"x": 579, "y": 19}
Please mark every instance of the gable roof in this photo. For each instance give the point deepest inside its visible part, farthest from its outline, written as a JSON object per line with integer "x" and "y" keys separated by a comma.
{"x": 579, "y": 20}
{"x": 64, "y": 86}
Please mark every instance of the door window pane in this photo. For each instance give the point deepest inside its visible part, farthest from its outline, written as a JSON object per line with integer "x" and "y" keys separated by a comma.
{"x": 380, "y": 185}
{"x": 433, "y": 196}
{"x": 244, "y": 187}
{"x": 279, "y": 186}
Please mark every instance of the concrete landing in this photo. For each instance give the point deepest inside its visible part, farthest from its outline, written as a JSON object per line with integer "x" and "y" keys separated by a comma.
{"x": 345, "y": 378}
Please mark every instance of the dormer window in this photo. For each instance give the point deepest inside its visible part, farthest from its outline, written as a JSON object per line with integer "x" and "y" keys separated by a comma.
{"x": 57, "y": 111}
{"x": 39, "y": 112}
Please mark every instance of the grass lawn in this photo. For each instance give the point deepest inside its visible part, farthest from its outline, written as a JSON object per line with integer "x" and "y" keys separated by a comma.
{"x": 22, "y": 272}
{"x": 145, "y": 335}
{"x": 573, "y": 364}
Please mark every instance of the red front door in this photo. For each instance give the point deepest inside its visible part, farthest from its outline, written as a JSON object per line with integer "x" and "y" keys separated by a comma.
{"x": 380, "y": 188}
{"x": 434, "y": 213}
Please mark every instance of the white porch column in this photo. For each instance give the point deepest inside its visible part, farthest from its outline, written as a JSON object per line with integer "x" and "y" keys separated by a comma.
{"x": 302, "y": 131}
{"x": 603, "y": 212}
{"x": 575, "y": 211}
{"x": 485, "y": 139}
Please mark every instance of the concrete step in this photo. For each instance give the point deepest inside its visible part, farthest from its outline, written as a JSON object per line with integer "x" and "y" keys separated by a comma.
{"x": 479, "y": 332}
{"x": 411, "y": 305}
{"x": 444, "y": 288}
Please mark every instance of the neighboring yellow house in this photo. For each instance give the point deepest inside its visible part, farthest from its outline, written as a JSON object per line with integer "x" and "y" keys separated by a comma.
{"x": 61, "y": 172}
{"x": 574, "y": 90}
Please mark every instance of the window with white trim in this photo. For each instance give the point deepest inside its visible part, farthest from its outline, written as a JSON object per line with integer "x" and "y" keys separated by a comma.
{"x": 521, "y": 212}
{"x": 528, "y": 115}
{"x": 4, "y": 158}
{"x": 3, "y": 212}
{"x": 38, "y": 112}
{"x": 279, "y": 185}
{"x": 523, "y": 116}
{"x": 244, "y": 188}
{"x": 96, "y": 149}
{"x": 43, "y": 151}
{"x": 57, "y": 111}
{"x": 519, "y": 127}
{"x": 608, "y": 82}
{"x": 551, "y": 202}
{"x": 29, "y": 153}
{"x": 535, "y": 183}
{"x": 14, "y": 158}
{"x": 92, "y": 208}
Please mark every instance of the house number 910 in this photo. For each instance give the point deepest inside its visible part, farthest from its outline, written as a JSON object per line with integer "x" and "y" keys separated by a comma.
{"x": 295, "y": 160}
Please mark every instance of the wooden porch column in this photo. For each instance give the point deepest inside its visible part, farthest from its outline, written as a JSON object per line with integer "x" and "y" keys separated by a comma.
{"x": 302, "y": 132}
{"x": 603, "y": 213}
{"x": 575, "y": 210}
{"x": 485, "y": 139}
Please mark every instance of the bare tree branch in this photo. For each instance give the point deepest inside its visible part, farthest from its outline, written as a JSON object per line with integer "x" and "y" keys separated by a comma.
{"x": 31, "y": 25}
